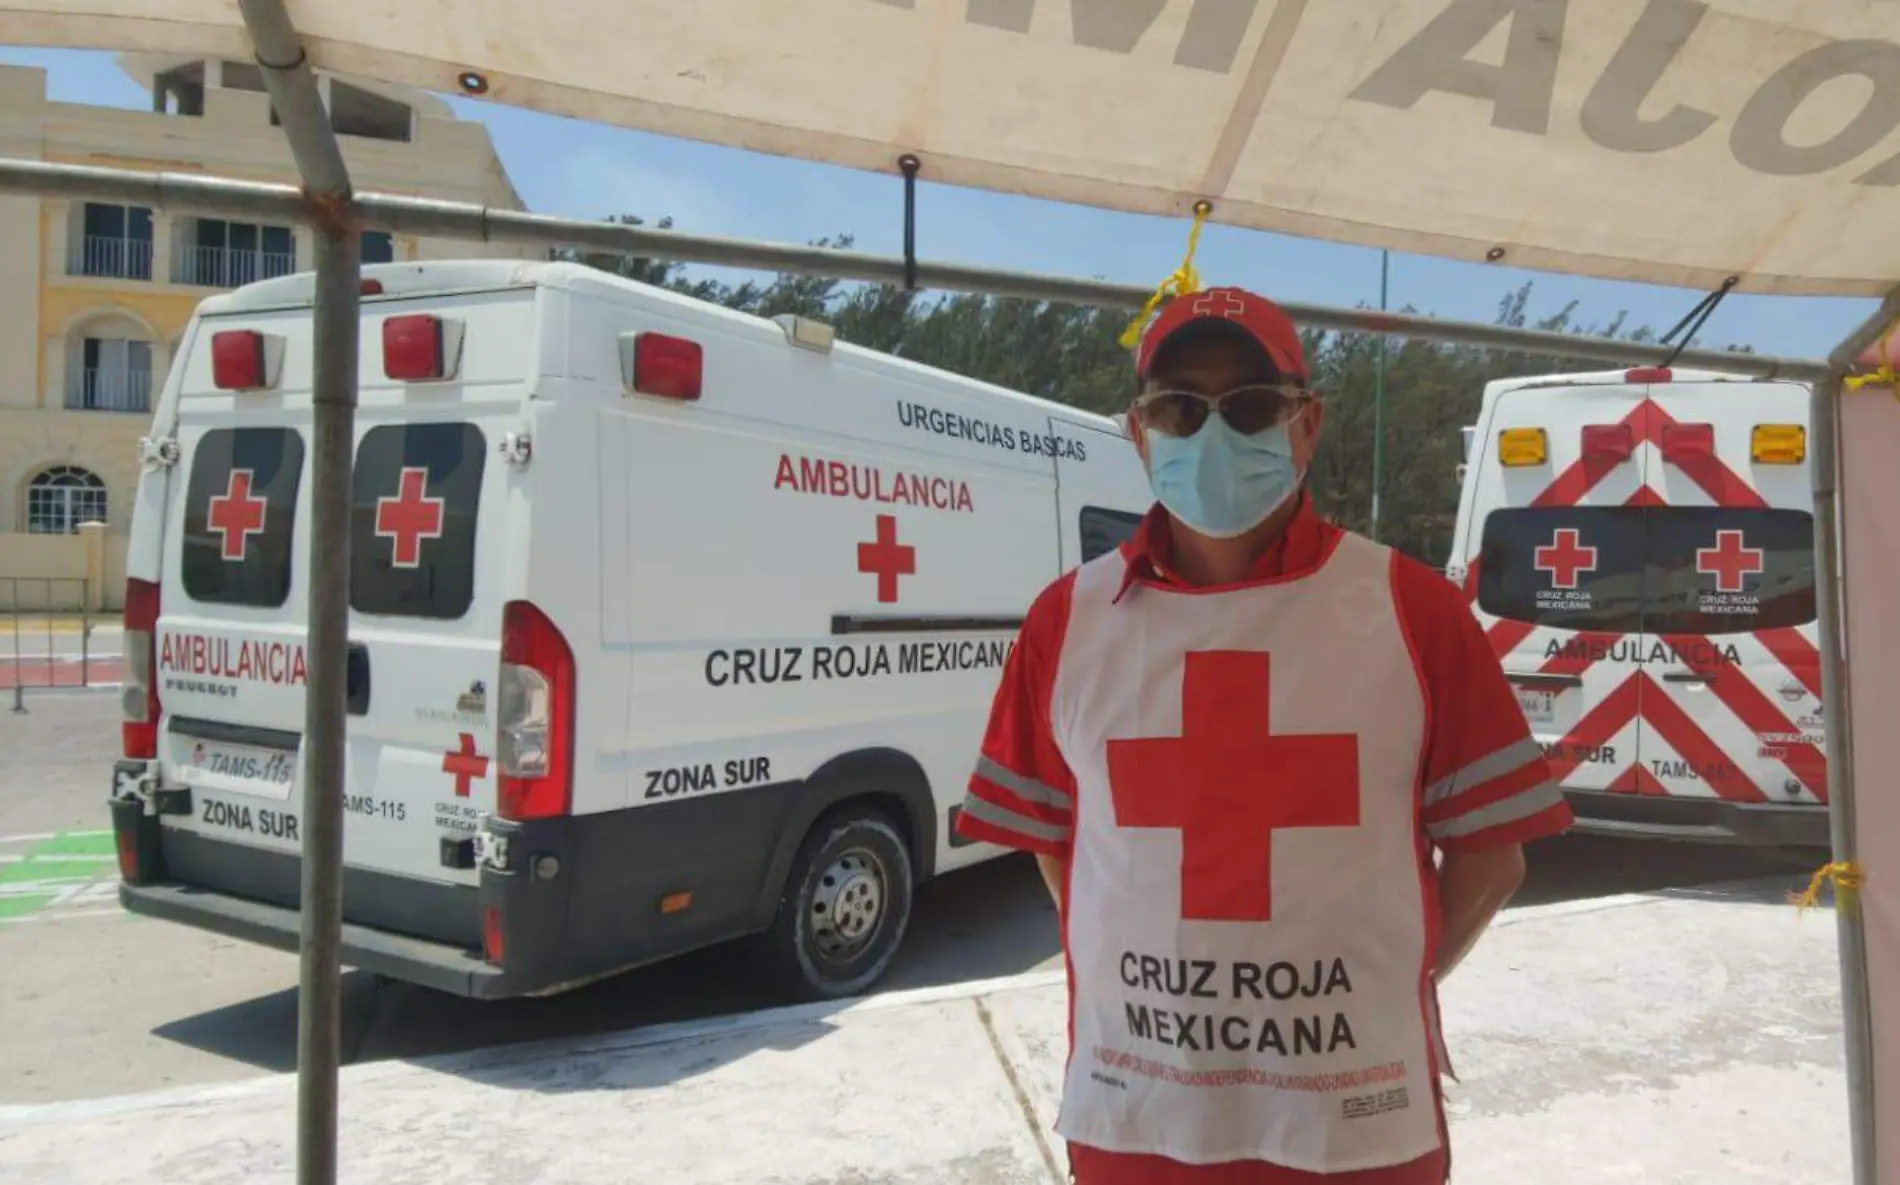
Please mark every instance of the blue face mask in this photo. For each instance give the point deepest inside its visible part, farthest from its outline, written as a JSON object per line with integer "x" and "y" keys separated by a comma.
{"x": 1219, "y": 482}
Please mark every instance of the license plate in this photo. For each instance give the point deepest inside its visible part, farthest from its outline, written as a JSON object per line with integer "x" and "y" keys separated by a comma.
{"x": 244, "y": 769}
{"x": 1539, "y": 707}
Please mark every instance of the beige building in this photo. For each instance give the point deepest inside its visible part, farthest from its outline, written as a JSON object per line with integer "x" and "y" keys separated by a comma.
{"x": 94, "y": 297}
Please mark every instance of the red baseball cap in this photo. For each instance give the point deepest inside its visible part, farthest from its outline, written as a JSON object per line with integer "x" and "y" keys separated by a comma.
{"x": 1255, "y": 315}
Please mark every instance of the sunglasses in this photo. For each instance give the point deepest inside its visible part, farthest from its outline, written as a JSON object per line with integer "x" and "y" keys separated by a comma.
{"x": 1248, "y": 410}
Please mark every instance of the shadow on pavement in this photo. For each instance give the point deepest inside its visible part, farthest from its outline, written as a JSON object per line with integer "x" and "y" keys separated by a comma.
{"x": 986, "y": 922}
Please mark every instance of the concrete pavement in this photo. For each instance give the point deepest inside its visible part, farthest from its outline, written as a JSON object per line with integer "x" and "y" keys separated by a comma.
{"x": 1691, "y": 1037}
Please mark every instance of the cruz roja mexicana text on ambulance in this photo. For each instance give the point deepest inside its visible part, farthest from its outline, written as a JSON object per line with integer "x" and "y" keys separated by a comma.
{"x": 1322, "y": 1030}
{"x": 848, "y": 660}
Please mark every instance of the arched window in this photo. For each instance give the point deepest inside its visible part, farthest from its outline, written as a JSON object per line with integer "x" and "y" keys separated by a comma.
{"x": 61, "y": 498}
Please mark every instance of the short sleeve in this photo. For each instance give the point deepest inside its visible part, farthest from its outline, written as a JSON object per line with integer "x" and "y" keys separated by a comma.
{"x": 1022, "y": 794}
{"x": 1486, "y": 782}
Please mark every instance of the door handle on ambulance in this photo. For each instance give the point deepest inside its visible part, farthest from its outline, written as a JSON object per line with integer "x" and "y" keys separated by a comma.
{"x": 1689, "y": 677}
{"x": 356, "y": 680}
{"x": 1534, "y": 679}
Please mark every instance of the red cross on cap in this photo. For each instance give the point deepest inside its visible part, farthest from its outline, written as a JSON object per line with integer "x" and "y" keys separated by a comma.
{"x": 1262, "y": 320}
{"x": 236, "y": 515}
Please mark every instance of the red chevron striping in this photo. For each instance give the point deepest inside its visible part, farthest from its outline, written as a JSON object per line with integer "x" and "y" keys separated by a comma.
{"x": 1596, "y": 727}
{"x": 1795, "y": 652}
{"x": 1722, "y": 773}
{"x": 1637, "y": 780}
{"x": 1753, "y": 708}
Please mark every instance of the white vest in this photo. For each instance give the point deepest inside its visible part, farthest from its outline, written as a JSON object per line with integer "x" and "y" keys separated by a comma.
{"x": 1201, "y": 1030}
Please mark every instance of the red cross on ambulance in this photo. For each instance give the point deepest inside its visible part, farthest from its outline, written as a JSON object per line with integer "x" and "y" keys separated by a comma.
{"x": 886, "y": 558}
{"x": 1565, "y": 558}
{"x": 235, "y": 515}
{"x": 408, "y": 518}
{"x": 465, "y": 763}
{"x": 1729, "y": 561}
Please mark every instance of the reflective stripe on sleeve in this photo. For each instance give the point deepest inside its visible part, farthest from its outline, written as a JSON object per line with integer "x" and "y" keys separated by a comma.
{"x": 1511, "y": 757}
{"x": 1027, "y": 789}
{"x": 998, "y": 816}
{"x": 1540, "y": 797}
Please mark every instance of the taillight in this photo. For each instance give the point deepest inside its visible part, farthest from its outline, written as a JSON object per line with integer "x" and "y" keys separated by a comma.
{"x": 138, "y": 732}
{"x": 658, "y": 364}
{"x": 534, "y": 743}
{"x": 420, "y": 348}
{"x": 1608, "y": 441}
{"x": 1687, "y": 441}
{"x": 244, "y": 360}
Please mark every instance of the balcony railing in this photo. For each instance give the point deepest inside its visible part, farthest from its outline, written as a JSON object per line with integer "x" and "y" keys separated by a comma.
{"x": 116, "y": 259}
{"x": 95, "y": 389}
{"x": 225, "y": 267}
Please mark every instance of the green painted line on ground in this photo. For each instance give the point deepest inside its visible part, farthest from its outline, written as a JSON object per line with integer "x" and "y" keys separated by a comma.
{"x": 19, "y": 907}
{"x": 76, "y": 843}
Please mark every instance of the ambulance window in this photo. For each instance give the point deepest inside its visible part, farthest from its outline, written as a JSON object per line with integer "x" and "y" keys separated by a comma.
{"x": 240, "y": 515}
{"x": 1104, "y": 530}
{"x": 1715, "y": 570}
{"x": 413, "y": 505}
{"x": 1577, "y": 567}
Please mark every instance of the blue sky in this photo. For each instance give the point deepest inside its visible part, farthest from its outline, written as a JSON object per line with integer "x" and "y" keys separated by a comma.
{"x": 567, "y": 167}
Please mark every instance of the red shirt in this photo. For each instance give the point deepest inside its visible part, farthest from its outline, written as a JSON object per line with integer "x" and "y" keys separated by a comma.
{"x": 1477, "y": 796}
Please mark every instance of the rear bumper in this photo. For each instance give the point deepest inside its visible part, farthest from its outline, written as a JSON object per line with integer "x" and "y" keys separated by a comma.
{"x": 412, "y": 960}
{"x": 1698, "y": 820}
{"x": 578, "y": 899}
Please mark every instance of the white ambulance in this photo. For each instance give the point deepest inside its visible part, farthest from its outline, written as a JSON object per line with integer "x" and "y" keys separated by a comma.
{"x": 1639, "y": 547}
{"x": 668, "y": 625}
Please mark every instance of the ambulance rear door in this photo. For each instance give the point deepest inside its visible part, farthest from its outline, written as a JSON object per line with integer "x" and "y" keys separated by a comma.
{"x": 1733, "y": 709}
{"x": 429, "y": 530}
{"x": 1555, "y": 563}
{"x": 1101, "y": 488}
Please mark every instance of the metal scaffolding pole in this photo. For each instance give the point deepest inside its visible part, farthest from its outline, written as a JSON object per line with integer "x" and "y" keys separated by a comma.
{"x": 1829, "y": 579}
{"x": 457, "y": 220}
{"x": 325, "y": 202}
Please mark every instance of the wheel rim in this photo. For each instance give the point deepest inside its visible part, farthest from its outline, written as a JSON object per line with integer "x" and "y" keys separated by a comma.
{"x": 847, "y": 905}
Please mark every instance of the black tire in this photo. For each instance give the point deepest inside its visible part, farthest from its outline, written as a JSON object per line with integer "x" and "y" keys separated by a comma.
{"x": 857, "y": 860}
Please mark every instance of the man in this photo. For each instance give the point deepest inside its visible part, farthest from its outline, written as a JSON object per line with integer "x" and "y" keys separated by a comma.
{"x": 1235, "y": 747}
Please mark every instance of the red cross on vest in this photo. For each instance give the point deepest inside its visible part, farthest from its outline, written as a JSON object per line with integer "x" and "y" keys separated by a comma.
{"x": 465, "y": 763}
{"x": 1565, "y": 558}
{"x": 1729, "y": 561}
{"x": 1227, "y": 784}
{"x": 236, "y": 515}
{"x": 887, "y": 558}
{"x": 1218, "y": 304}
{"x": 409, "y": 518}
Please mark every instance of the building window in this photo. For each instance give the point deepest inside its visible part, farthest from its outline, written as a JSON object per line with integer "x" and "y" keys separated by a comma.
{"x": 61, "y": 498}
{"x": 114, "y": 242}
{"x": 114, "y": 375}
{"x": 220, "y": 254}
{"x": 378, "y": 247}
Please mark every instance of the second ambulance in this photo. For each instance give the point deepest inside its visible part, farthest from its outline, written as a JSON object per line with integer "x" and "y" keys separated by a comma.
{"x": 1639, "y": 546}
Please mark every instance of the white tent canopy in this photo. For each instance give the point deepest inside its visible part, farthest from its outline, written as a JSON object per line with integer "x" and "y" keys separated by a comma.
{"x": 1667, "y": 141}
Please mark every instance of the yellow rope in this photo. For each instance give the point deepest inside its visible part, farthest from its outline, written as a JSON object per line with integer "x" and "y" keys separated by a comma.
{"x": 1180, "y": 282}
{"x": 1847, "y": 878}
{"x": 1883, "y": 375}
